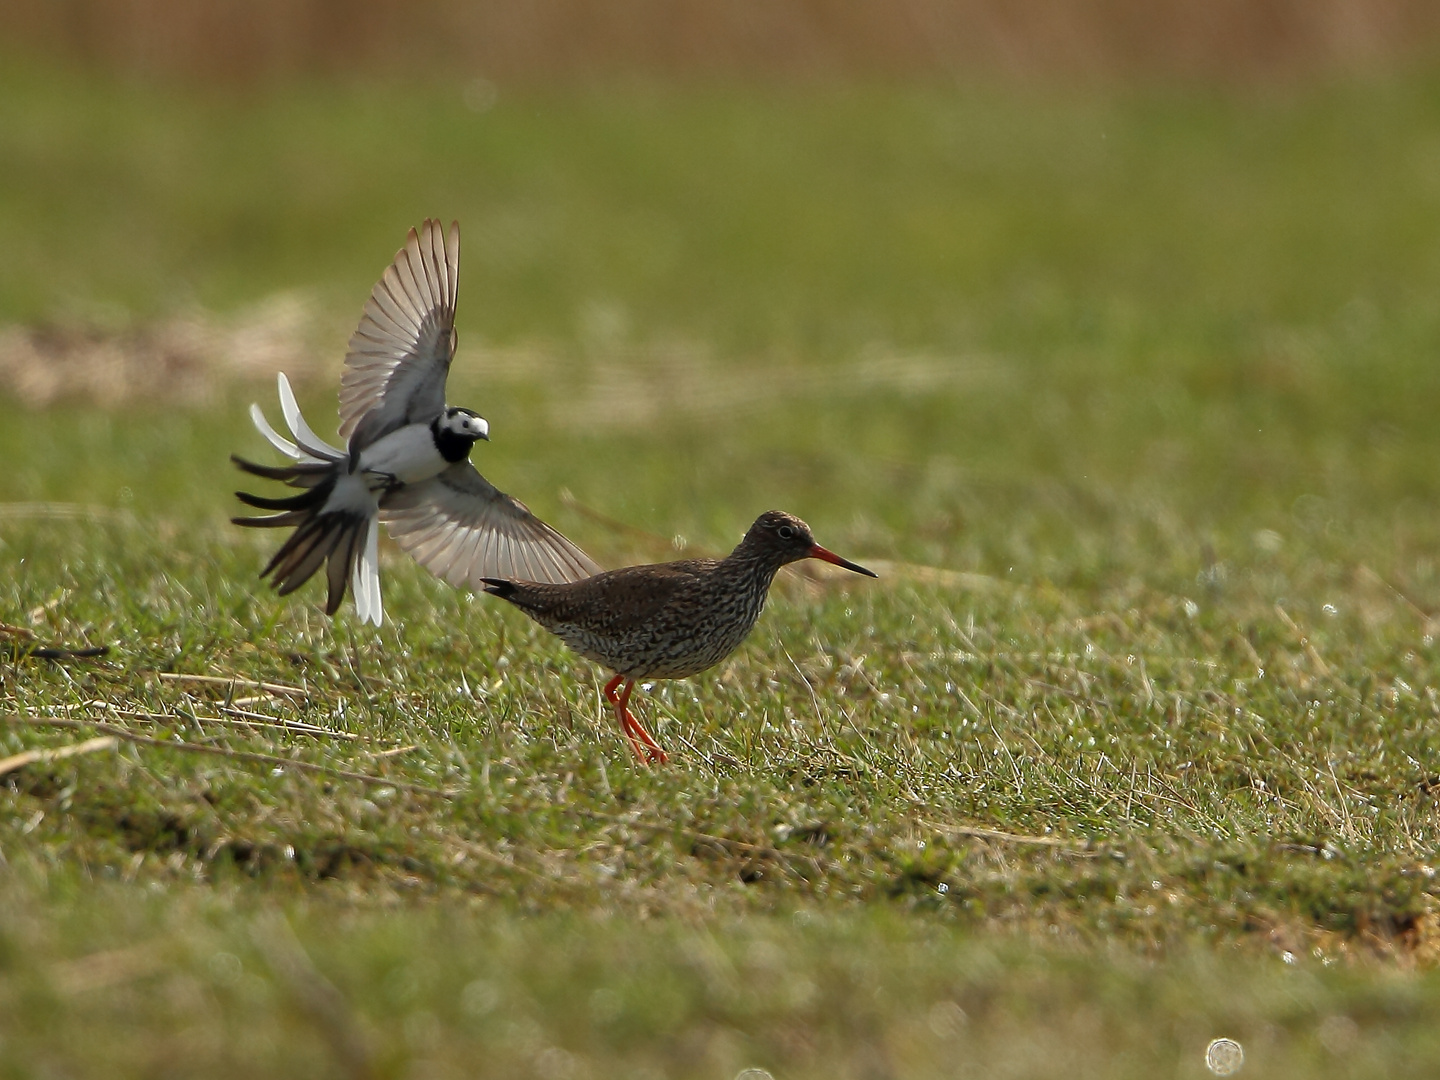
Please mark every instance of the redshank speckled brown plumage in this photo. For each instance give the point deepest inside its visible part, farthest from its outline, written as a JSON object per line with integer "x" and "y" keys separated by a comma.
{"x": 667, "y": 620}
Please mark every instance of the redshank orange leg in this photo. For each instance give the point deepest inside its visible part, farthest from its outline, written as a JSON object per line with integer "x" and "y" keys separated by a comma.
{"x": 645, "y": 747}
{"x": 620, "y": 716}
{"x": 652, "y": 748}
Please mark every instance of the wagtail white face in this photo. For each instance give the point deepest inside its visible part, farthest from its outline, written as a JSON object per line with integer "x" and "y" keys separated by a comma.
{"x": 417, "y": 452}
{"x": 466, "y": 423}
{"x": 406, "y": 459}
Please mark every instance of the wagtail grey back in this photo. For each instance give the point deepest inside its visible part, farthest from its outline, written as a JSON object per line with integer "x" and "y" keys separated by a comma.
{"x": 406, "y": 457}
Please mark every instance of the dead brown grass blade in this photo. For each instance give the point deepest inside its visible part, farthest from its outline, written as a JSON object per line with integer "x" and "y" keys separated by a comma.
{"x": 231, "y": 681}
{"x": 723, "y": 844}
{"x": 30, "y": 757}
{"x": 260, "y": 720}
{"x": 1000, "y": 837}
{"x": 227, "y": 752}
{"x": 104, "y": 969}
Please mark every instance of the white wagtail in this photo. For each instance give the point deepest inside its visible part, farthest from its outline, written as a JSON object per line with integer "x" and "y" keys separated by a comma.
{"x": 406, "y": 459}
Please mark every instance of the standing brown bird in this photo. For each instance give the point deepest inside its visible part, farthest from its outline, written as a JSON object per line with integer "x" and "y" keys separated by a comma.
{"x": 667, "y": 620}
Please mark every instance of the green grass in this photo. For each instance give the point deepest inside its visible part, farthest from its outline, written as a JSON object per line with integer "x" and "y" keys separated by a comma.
{"x": 1130, "y": 399}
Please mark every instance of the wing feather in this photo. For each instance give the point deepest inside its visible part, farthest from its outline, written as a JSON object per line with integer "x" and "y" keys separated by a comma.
{"x": 412, "y": 297}
{"x": 381, "y": 327}
{"x": 532, "y": 563}
{"x": 390, "y": 295}
{"x": 399, "y": 355}
{"x": 438, "y": 260}
{"x": 450, "y": 247}
{"x": 425, "y": 276}
{"x": 433, "y": 268}
{"x": 461, "y": 528}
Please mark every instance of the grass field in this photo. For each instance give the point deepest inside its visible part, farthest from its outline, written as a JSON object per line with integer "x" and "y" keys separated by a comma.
{"x": 1129, "y": 398}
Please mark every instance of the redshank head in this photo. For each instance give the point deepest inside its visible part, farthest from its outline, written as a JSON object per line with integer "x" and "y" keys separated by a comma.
{"x": 784, "y": 538}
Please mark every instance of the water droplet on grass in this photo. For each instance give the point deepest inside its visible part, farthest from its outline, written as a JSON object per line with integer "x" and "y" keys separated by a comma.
{"x": 1268, "y": 541}
{"x": 946, "y": 1019}
{"x": 480, "y": 95}
{"x": 479, "y": 997}
{"x": 1338, "y": 1033}
{"x": 1224, "y": 1057}
{"x": 226, "y": 967}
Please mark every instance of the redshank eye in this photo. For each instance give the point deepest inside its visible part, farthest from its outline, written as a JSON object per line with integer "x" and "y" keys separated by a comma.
{"x": 785, "y": 532}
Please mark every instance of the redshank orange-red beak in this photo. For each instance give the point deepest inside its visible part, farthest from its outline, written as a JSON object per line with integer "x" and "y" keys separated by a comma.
{"x": 818, "y": 552}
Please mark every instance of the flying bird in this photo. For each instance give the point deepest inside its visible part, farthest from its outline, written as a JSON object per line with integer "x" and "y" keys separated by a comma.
{"x": 667, "y": 620}
{"x": 406, "y": 459}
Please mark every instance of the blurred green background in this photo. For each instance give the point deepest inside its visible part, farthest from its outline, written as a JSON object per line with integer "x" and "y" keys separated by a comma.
{"x": 1107, "y": 330}
{"x": 992, "y": 307}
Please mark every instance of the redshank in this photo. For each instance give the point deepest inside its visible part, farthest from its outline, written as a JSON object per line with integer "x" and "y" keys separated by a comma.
{"x": 407, "y": 456}
{"x": 667, "y": 620}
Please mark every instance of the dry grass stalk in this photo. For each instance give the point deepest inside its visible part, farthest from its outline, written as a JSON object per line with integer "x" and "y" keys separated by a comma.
{"x": 101, "y": 970}
{"x": 222, "y": 751}
{"x": 30, "y": 757}
{"x": 232, "y": 681}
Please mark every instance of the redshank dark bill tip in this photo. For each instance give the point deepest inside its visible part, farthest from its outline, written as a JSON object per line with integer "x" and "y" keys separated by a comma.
{"x": 818, "y": 552}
